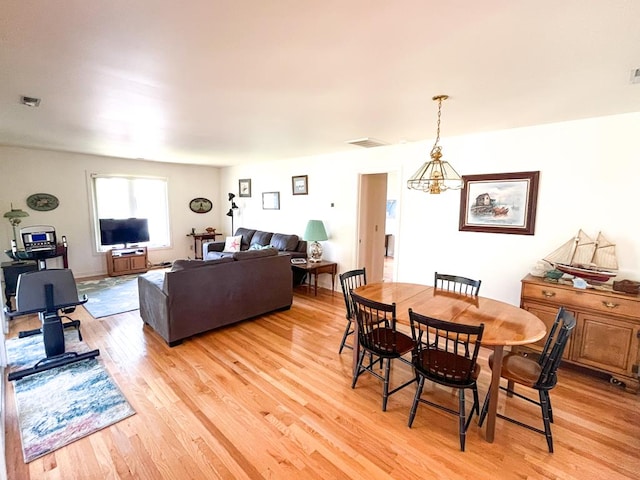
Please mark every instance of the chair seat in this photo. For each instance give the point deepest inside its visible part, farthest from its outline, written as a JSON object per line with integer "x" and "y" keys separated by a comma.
{"x": 519, "y": 369}
{"x": 387, "y": 342}
{"x": 440, "y": 363}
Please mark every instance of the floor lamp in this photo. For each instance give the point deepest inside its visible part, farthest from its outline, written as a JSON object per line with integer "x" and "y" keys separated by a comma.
{"x": 231, "y": 209}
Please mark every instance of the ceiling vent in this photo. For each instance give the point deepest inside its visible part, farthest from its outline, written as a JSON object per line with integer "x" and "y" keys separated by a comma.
{"x": 367, "y": 142}
{"x": 635, "y": 75}
{"x": 30, "y": 101}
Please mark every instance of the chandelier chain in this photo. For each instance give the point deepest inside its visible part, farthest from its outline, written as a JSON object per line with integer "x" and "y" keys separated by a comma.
{"x": 435, "y": 145}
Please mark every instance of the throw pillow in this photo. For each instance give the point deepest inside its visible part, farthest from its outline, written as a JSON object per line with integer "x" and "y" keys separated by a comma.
{"x": 232, "y": 244}
{"x": 257, "y": 246}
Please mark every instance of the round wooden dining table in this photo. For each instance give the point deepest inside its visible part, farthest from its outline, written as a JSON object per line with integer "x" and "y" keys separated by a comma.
{"x": 504, "y": 324}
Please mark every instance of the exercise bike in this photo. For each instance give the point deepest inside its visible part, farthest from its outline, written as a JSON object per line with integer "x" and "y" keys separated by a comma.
{"x": 52, "y": 294}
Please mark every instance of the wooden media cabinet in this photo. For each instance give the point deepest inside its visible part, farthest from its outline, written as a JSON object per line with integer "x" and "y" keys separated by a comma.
{"x": 125, "y": 261}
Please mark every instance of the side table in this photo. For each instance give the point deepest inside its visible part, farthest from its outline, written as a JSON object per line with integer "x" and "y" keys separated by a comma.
{"x": 315, "y": 269}
{"x": 199, "y": 238}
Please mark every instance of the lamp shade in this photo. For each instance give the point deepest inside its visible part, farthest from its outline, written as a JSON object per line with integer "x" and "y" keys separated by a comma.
{"x": 14, "y": 215}
{"x": 315, "y": 231}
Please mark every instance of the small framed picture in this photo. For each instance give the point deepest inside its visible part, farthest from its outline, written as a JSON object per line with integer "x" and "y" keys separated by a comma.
{"x": 244, "y": 187}
{"x": 271, "y": 200}
{"x": 300, "y": 185}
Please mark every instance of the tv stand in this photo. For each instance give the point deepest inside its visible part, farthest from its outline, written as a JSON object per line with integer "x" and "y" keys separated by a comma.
{"x": 125, "y": 261}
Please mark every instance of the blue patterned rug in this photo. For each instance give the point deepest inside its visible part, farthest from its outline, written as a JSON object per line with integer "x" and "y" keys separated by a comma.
{"x": 61, "y": 405}
{"x": 111, "y": 295}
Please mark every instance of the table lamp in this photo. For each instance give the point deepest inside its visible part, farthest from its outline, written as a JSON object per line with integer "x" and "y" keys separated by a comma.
{"x": 314, "y": 233}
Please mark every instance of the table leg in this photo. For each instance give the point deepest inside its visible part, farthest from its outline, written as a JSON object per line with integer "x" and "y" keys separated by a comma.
{"x": 498, "y": 352}
{"x": 315, "y": 277}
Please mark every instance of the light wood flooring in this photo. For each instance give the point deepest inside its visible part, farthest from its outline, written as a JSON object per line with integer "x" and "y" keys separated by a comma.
{"x": 271, "y": 398}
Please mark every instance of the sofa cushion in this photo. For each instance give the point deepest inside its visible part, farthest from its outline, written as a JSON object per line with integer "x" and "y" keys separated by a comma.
{"x": 232, "y": 244}
{"x": 211, "y": 256}
{"x": 251, "y": 254}
{"x": 156, "y": 277}
{"x": 247, "y": 235}
{"x": 257, "y": 246}
{"x": 188, "y": 264}
{"x": 285, "y": 243}
{"x": 261, "y": 238}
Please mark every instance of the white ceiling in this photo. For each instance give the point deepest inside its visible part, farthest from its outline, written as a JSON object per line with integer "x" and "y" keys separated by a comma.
{"x": 224, "y": 82}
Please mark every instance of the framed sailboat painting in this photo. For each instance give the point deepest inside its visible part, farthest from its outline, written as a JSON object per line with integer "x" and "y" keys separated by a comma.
{"x": 499, "y": 203}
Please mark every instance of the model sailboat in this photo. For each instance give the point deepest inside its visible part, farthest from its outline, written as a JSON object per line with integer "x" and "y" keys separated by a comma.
{"x": 586, "y": 258}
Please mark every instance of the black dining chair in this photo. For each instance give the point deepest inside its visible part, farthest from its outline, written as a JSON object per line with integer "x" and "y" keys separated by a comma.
{"x": 437, "y": 356}
{"x": 377, "y": 334}
{"x": 539, "y": 375}
{"x": 349, "y": 281}
{"x": 457, "y": 284}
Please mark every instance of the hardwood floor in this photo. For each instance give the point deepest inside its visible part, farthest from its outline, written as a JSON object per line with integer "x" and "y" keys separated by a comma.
{"x": 271, "y": 398}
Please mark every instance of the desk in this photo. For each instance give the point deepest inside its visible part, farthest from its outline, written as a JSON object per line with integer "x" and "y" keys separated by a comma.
{"x": 504, "y": 324}
{"x": 315, "y": 269}
{"x": 200, "y": 237}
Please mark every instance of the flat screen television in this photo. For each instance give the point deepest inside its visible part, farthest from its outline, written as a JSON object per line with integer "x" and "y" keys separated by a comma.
{"x": 123, "y": 231}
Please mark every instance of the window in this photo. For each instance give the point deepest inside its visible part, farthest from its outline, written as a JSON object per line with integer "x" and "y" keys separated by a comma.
{"x": 139, "y": 197}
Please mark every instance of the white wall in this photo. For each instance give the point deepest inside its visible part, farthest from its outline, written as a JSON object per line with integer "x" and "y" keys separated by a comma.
{"x": 26, "y": 171}
{"x": 589, "y": 171}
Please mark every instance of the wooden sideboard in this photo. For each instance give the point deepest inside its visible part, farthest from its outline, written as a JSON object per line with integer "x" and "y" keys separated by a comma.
{"x": 606, "y": 338}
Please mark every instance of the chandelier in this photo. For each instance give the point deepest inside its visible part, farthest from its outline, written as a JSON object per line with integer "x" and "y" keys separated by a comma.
{"x": 436, "y": 176}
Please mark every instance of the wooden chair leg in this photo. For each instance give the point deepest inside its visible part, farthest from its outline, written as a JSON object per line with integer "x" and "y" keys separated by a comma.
{"x": 485, "y": 409}
{"x": 549, "y": 404}
{"x": 544, "y": 404}
{"x": 462, "y": 419}
{"x": 358, "y": 370}
{"x": 385, "y": 391}
{"x": 416, "y": 401}
{"x": 347, "y": 332}
{"x": 476, "y": 401}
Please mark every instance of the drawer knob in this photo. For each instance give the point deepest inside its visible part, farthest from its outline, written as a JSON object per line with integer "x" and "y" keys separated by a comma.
{"x": 610, "y": 304}
{"x": 548, "y": 294}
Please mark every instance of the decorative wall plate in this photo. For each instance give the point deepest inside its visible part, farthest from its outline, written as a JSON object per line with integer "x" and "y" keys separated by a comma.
{"x": 200, "y": 205}
{"x": 43, "y": 202}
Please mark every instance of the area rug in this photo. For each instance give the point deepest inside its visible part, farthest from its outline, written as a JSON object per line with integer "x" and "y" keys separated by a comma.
{"x": 62, "y": 405}
{"x": 111, "y": 295}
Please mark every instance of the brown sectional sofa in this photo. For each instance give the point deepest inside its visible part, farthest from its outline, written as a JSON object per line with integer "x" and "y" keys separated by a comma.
{"x": 289, "y": 243}
{"x": 197, "y": 296}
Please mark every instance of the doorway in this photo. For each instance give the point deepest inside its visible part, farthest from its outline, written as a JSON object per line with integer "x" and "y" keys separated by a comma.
{"x": 376, "y": 226}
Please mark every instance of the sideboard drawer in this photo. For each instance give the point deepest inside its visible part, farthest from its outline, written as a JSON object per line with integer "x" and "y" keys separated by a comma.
{"x": 590, "y": 299}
